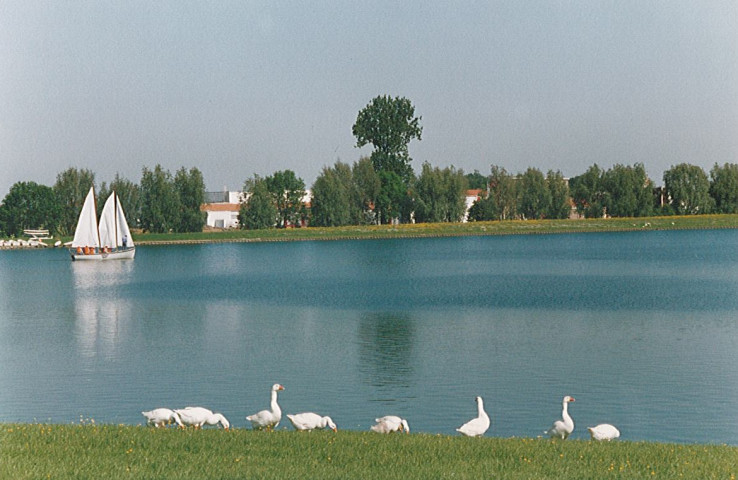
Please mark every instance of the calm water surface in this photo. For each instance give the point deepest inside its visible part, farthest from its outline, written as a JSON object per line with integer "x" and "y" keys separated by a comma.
{"x": 639, "y": 327}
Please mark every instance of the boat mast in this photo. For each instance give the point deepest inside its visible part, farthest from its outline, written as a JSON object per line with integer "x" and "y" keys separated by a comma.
{"x": 97, "y": 226}
{"x": 115, "y": 218}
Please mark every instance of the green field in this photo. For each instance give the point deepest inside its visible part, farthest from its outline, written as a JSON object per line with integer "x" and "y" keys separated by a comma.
{"x": 507, "y": 227}
{"x": 36, "y": 451}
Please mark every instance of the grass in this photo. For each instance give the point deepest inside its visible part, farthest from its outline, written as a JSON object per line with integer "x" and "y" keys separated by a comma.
{"x": 35, "y": 451}
{"x": 507, "y": 227}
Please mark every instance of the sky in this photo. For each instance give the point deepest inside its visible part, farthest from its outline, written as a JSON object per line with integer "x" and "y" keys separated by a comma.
{"x": 250, "y": 87}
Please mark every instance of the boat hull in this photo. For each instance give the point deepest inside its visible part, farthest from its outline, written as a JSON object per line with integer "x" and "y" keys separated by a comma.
{"x": 121, "y": 254}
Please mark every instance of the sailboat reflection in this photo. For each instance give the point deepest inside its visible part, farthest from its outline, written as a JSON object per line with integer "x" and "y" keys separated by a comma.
{"x": 99, "y": 310}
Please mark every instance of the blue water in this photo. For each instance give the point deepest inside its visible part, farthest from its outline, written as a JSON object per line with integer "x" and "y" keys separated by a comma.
{"x": 639, "y": 327}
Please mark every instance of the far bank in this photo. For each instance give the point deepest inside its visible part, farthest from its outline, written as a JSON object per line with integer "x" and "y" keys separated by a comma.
{"x": 427, "y": 230}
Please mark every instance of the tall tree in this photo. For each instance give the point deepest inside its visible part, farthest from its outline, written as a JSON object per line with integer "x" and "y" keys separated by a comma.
{"x": 503, "y": 189}
{"x": 259, "y": 210}
{"x": 70, "y": 189}
{"x": 332, "y": 204}
{"x": 724, "y": 187}
{"x": 391, "y": 198}
{"x": 288, "y": 191}
{"x": 389, "y": 124}
{"x": 190, "y": 188}
{"x": 588, "y": 192}
{"x": 456, "y": 186}
{"x": 439, "y": 194}
{"x": 534, "y": 198}
{"x": 629, "y": 191}
{"x": 559, "y": 191}
{"x": 159, "y": 201}
{"x": 689, "y": 189}
{"x": 29, "y": 205}
{"x": 367, "y": 187}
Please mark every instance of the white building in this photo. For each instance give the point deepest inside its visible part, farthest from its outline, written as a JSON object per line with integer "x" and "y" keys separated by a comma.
{"x": 222, "y": 209}
{"x": 471, "y": 197}
{"x": 221, "y": 215}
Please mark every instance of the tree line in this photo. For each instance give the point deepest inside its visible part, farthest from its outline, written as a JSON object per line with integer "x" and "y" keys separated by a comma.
{"x": 161, "y": 202}
{"x": 378, "y": 189}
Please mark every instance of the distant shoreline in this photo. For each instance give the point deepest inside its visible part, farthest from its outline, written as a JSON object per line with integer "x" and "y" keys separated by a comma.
{"x": 434, "y": 230}
{"x": 439, "y": 230}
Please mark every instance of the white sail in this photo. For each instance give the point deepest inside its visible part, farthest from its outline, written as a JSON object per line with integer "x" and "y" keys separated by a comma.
{"x": 108, "y": 224}
{"x": 114, "y": 231}
{"x": 86, "y": 234}
{"x": 124, "y": 233}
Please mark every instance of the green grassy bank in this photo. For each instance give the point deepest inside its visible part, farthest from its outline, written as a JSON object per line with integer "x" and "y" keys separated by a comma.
{"x": 35, "y": 451}
{"x": 507, "y": 227}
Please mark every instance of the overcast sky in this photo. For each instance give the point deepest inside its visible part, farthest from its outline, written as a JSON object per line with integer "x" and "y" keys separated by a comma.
{"x": 245, "y": 87}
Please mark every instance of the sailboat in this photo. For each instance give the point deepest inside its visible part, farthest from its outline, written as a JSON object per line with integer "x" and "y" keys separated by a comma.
{"x": 110, "y": 240}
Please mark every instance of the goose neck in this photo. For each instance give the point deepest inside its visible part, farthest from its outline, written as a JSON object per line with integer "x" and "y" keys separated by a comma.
{"x": 274, "y": 404}
{"x": 565, "y": 414}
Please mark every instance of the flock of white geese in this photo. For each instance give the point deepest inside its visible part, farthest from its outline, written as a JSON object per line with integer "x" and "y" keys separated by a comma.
{"x": 269, "y": 419}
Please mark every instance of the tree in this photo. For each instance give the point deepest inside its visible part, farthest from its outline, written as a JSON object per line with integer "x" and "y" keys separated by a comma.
{"x": 259, "y": 210}
{"x": 477, "y": 181}
{"x": 724, "y": 187}
{"x": 456, "y": 186}
{"x": 288, "y": 191}
{"x": 588, "y": 193}
{"x": 503, "y": 190}
{"x": 629, "y": 191}
{"x": 688, "y": 188}
{"x": 332, "y": 204}
{"x": 129, "y": 195}
{"x": 559, "y": 192}
{"x": 160, "y": 205}
{"x": 392, "y": 197}
{"x": 439, "y": 194}
{"x": 367, "y": 187}
{"x": 485, "y": 208}
{"x": 534, "y": 198}
{"x": 70, "y": 189}
{"x": 29, "y": 205}
{"x": 190, "y": 188}
{"x": 389, "y": 124}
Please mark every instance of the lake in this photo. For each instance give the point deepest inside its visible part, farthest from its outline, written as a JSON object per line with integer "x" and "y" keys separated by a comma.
{"x": 639, "y": 327}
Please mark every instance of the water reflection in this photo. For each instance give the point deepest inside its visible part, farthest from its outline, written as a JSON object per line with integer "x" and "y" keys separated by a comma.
{"x": 386, "y": 349}
{"x": 98, "y": 308}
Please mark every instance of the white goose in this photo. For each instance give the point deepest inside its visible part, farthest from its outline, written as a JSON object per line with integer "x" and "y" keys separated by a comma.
{"x": 160, "y": 417}
{"x": 389, "y": 424}
{"x": 476, "y": 426}
{"x": 562, "y": 428}
{"x": 604, "y": 431}
{"x": 268, "y": 419}
{"x": 311, "y": 421}
{"x": 199, "y": 416}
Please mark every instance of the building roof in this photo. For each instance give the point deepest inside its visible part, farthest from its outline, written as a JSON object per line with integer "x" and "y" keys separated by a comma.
{"x": 220, "y": 207}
